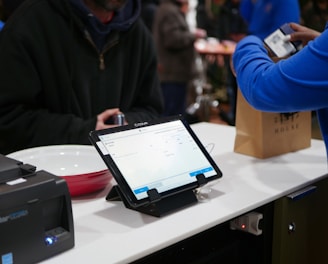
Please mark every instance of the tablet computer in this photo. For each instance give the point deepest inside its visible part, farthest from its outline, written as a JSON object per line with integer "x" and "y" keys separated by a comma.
{"x": 163, "y": 154}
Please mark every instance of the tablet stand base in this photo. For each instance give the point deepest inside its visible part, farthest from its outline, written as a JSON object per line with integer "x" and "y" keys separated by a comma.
{"x": 159, "y": 207}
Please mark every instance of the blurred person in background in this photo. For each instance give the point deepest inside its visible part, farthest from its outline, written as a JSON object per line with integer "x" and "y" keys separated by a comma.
{"x": 68, "y": 66}
{"x": 222, "y": 20}
{"x": 235, "y": 29}
{"x": 315, "y": 14}
{"x": 208, "y": 15}
{"x": 176, "y": 53}
{"x": 265, "y": 16}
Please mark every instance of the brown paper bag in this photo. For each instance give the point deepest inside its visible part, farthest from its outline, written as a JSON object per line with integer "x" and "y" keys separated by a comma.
{"x": 263, "y": 135}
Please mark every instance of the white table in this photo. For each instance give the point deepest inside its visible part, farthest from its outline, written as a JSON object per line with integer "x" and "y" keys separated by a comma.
{"x": 107, "y": 232}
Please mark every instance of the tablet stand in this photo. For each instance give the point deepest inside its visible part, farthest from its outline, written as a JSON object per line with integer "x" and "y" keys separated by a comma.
{"x": 159, "y": 206}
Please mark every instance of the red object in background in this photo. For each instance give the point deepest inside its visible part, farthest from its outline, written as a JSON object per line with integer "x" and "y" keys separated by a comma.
{"x": 87, "y": 183}
{"x": 80, "y": 165}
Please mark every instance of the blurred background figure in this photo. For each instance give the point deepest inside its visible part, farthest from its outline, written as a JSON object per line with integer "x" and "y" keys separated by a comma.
{"x": 208, "y": 17}
{"x": 148, "y": 9}
{"x": 174, "y": 42}
{"x": 315, "y": 14}
{"x": 265, "y": 16}
{"x": 222, "y": 20}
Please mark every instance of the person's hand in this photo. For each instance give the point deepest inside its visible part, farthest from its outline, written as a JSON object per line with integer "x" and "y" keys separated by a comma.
{"x": 302, "y": 33}
{"x": 232, "y": 67}
{"x": 273, "y": 56}
{"x": 200, "y": 33}
{"x": 104, "y": 116}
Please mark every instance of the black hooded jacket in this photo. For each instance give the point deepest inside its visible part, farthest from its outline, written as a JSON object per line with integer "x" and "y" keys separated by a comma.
{"x": 54, "y": 80}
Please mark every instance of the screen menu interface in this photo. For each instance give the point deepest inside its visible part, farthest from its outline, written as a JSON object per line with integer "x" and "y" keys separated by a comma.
{"x": 162, "y": 156}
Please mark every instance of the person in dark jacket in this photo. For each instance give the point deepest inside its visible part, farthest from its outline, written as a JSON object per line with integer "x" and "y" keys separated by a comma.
{"x": 67, "y": 66}
{"x": 176, "y": 53}
{"x": 148, "y": 11}
{"x": 9, "y": 6}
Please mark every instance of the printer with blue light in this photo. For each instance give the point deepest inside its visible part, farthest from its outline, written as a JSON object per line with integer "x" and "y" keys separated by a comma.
{"x": 36, "y": 220}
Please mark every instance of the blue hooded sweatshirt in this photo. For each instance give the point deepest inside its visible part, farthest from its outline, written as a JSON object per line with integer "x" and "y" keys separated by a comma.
{"x": 265, "y": 16}
{"x": 299, "y": 83}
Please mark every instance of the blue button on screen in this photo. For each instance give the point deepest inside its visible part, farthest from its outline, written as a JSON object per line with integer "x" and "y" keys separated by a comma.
{"x": 7, "y": 258}
{"x": 141, "y": 190}
{"x": 202, "y": 171}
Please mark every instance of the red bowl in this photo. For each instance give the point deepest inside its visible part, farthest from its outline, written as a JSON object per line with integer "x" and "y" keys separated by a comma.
{"x": 87, "y": 183}
{"x": 80, "y": 165}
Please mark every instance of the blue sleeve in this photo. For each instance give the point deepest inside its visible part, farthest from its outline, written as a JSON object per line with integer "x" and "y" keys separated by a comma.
{"x": 265, "y": 16}
{"x": 246, "y": 9}
{"x": 299, "y": 83}
{"x": 285, "y": 11}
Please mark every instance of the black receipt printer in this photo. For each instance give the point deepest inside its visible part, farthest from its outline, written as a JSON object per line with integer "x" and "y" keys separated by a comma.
{"x": 36, "y": 219}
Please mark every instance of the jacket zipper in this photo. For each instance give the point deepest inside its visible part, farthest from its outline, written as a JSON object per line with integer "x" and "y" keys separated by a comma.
{"x": 102, "y": 62}
{"x": 102, "y": 65}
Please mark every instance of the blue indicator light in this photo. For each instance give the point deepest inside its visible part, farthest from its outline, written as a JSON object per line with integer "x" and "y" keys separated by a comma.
{"x": 202, "y": 171}
{"x": 50, "y": 240}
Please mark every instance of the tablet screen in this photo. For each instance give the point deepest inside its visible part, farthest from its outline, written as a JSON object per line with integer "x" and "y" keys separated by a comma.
{"x": 163, "y": 156}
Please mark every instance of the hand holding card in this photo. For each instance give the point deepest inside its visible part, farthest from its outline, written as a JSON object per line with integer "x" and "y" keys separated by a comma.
{"x": 279, "y": 42}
